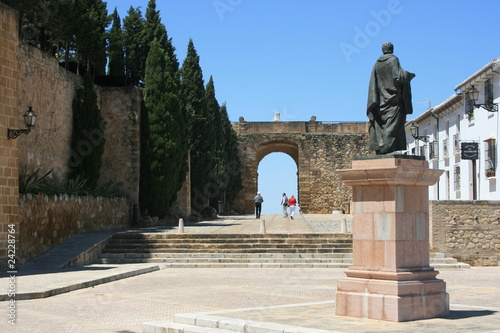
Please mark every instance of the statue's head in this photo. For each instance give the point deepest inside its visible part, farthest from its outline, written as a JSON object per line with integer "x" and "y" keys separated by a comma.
{"x": 387, "y": 47}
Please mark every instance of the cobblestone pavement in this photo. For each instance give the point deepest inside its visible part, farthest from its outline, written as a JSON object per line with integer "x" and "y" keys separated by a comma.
{"x": 301, "y": 297}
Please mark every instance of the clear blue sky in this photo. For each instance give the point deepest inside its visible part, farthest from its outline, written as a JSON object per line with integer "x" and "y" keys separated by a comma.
{"x": 314, "y": 57}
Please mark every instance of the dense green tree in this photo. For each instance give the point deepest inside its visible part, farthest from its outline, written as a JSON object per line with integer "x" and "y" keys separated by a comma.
{"x": 134, "y": 46}
{"x": 115, "y": 47}
{"x": 90, "y": 35}
{"x": 87, "y": 140}
{"x": 153, "y": 28}
{"x": 214, "y": 144}
{"x": 165, "y": 144}
{"x": 193, "y": 90}
{"x": 232, "y": 181}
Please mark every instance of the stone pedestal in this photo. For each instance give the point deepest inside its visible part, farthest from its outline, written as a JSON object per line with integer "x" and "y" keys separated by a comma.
{"x": 391, "y": 278}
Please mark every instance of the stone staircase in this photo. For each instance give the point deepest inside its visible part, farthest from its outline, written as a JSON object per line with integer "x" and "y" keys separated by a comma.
{"x": 230, "y": 250}
{"x": 328, "y": 250}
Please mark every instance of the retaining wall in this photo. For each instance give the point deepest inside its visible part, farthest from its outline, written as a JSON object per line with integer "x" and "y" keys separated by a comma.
{"x": 50, "y": 221}
{"x": 466, "y": 230}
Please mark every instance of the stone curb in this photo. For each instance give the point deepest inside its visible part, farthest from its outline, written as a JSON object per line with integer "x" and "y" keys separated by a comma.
{"x": 199, "y": 322}
{"x": 79, "y": 285}
{"x": 211, "y": 322}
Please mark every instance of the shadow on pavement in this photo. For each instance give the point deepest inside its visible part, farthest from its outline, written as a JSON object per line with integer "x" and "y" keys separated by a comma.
{"x": 463, "y": 314}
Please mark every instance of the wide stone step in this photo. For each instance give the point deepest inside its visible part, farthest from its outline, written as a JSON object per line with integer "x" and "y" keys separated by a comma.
{"x": 132, "y": 235}
{"x": 104, "y": 260}
{"x": 232, "y": 255}
{"x": 231, "y": 250}
{"x": 203, "y": 246}
{"x": 232, "y": 240}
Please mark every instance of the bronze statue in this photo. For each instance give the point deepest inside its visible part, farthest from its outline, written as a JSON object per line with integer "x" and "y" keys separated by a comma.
{"x": 389, "y": 101}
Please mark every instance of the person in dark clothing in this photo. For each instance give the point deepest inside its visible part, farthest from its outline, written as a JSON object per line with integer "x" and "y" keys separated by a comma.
{"x": 258, "y": 204}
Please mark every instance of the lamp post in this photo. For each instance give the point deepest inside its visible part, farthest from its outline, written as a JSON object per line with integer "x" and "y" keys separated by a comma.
{"x": 414, "y": 134}
{"x": 29, "y": 119}
{"x": 473, "y": 94}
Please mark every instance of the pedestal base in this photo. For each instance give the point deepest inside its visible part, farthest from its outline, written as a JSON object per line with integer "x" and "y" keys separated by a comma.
{"x": 392, "y": 296}
{"x": 390, "y": 278}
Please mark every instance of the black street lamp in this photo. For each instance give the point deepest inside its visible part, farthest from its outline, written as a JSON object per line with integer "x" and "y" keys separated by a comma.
{"x": 473, "y": 94}
{"x": 29, "y": 119}
{"x": 414, "y": 133}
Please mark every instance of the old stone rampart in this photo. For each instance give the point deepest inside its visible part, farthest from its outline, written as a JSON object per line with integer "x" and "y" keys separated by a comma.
{"x": 319, "y": 150}
{"x": 466, "y": 230}
{"x": 50, "y": 90}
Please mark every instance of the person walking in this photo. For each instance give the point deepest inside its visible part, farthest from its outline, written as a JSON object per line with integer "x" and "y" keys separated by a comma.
{"x": 258, "y": 204}
{"x": 292, "y": 202}
{"x": 284, "y": 204}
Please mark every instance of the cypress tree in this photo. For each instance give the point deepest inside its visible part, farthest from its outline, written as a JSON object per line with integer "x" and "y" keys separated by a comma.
{"x": 134, "y": 46}
{"x": 87, "y": 141}
{"x": 153, "y": 28}
{"x": 194, "y": 98}
{"x": 115, "y": 47}
{"x": 90, "y": 34}
{"x": 165, "y": 143}
{"x": 232, "y": 167}
{"x": 215, "y": 144}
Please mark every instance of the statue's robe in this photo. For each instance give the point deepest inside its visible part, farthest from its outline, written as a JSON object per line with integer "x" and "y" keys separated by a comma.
{"x": 389, "y": 101}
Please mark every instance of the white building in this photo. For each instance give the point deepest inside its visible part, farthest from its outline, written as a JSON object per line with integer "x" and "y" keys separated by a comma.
{"x": 459, "y": 120}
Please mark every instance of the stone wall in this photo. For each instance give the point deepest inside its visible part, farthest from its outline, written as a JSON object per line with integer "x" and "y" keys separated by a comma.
{"x": 121, "y": 108}
{"x": 49, "y": 221}
{"x": 50, "y": 90}
{"x": 466, "y": 230}
{"x": 10, "y": 117}
{"x": 318, "y": 157}
{"x": 327, "y": 154}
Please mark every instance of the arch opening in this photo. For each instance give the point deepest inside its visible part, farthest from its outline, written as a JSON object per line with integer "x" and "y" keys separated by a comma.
{"x": 277, "y": 173}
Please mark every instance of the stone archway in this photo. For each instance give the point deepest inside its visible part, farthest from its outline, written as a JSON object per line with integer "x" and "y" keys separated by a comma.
{"x": 318, "y": 150}
{"x": 290, "y": 149}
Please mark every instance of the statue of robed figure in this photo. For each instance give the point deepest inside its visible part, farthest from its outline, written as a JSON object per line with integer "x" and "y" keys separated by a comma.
{"x": 389, "y": 101}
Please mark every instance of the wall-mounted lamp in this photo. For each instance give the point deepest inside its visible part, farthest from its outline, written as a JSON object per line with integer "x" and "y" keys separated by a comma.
{"x": 414, "y": 133}
{"x": 29, "y": 120}
{"x": 473, "y": 94}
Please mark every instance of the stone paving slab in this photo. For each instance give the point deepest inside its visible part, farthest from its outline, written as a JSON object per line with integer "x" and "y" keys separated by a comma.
{"x": 41, "y": 285}
{"x": 292, "y": 297}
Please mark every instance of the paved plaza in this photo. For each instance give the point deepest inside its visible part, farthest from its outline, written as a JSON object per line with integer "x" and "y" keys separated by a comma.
{"x": 121, "y": 298}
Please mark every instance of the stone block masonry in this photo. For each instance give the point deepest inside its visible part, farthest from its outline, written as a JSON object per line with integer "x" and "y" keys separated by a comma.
{"x": 10, "y": 117}
{"x": 468, "y": 231}
{"x": 318, "y": 149}
{"x": 49, "y": 221}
